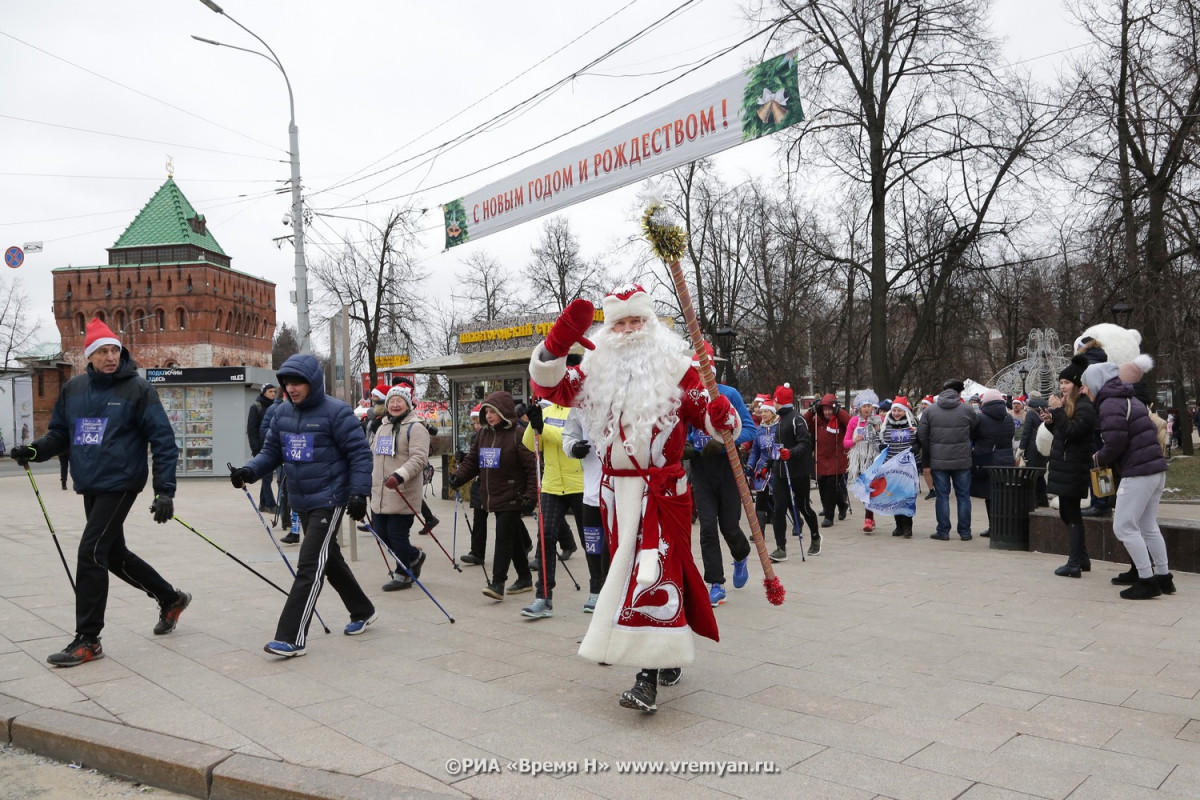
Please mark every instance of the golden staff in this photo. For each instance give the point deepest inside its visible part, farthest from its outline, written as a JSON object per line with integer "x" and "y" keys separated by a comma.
{"x": 667, "y": 241}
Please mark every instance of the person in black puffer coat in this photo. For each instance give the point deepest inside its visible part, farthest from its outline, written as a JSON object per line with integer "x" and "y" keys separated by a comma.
{"x": 1029, "y": 454}
{"x": 992, "y": 447}
{"x": 1072, "y": 420}
{"x": 1131, "y": 445}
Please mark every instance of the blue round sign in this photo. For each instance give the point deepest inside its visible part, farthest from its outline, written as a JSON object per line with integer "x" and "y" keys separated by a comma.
{"x": 14, "y": 256}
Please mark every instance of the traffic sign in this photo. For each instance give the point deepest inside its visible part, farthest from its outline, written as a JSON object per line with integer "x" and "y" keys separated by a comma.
{"x": 14, "y": 256}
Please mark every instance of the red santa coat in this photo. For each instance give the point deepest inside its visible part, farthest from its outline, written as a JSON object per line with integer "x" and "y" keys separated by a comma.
{"x": 645, "y": 505}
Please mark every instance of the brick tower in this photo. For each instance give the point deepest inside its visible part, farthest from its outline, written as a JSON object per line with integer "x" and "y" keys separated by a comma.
{"x": 169, "y": 293}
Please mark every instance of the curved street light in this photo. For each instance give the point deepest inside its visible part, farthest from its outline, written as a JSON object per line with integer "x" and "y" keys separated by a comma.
{"x": 302, "y": 321}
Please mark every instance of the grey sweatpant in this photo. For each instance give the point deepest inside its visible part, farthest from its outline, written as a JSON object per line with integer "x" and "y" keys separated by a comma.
{"x": 1135, "y": 522}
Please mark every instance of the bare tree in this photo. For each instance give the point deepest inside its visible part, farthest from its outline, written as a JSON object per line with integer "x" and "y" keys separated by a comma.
{"x": 559, "y": 273}
{"x": 16, "y": 330}
{"x": 486, "y": 288}
{"x": 374, "y": 279}
{"x": 911, "y": 108}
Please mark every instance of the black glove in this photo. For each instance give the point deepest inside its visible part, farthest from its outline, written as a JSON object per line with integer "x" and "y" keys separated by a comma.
{"x": 580, "y": 449}
{"x": 163, "y": 508}
{"x": 714, "y": 447}
{"x": 535, "y": 418}
{"x": 528, "y": 504}
{"x": 460, "y": 455}
{"x": 689, "y": 452}
{"x": 240, "y": 476}
{"x": 23, "y": 454}
{"x": 357, "y": 507}
{"x": 454, "y": 482}
{"x": 433, "y": 429}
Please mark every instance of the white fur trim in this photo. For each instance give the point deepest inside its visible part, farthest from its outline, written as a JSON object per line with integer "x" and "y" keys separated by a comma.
{"x": 733, "y": 419}
{"x": 96, "y": 345}
{"x": 547, "y": 373}
{"x": 647, "y": 567}
{"x": 609, "y": 642}
{"x": 639, "y": 304}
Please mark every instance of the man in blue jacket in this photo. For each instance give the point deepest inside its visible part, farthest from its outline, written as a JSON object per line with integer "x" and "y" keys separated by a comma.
{"x": 327, "y": 465}
{"x": 718, "y": 504}
{"x": 104, "y": 419}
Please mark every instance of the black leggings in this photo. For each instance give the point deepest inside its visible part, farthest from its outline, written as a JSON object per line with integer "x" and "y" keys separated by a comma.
{"x": 1069, "y": 510}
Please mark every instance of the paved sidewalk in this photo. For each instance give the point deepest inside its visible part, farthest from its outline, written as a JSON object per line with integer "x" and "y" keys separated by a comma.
{"x": 895, "y": 669}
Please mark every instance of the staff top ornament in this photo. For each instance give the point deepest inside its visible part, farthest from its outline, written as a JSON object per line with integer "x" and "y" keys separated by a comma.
{"x": 666, "y": 238}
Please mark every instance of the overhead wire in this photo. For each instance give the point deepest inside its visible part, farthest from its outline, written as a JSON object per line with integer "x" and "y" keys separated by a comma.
{"x": 140, "y": 92}
{"x": 485, "y": 125}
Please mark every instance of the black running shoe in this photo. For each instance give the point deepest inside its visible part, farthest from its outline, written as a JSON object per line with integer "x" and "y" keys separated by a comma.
{"x": 80, "y": 651}
{"x": 641, "y": 697}
{"x": 169, "y": 614}
{"x": 670, "y": 676}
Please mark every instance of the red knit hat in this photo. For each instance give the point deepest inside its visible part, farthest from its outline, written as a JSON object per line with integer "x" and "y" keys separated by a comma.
{"x": 784, "y": 395}
{"x": 98, "y": 335}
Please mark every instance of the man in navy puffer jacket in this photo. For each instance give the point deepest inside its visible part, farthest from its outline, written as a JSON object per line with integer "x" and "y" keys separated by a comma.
{"x": 104, "y": 419}
{"x": 327, "y": 465}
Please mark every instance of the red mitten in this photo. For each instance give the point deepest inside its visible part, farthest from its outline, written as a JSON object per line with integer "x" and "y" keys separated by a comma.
{"x": 762, "y": 473}
{"x": 784, "y": 454}
{"x": 570, "y": 327}
{"x": 392, "y": 481}
{"x": 720, "y": 413}
{"x": 747, "y": 446}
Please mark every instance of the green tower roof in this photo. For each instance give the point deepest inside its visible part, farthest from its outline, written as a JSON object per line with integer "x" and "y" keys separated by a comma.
{"x": 168, "y": 218}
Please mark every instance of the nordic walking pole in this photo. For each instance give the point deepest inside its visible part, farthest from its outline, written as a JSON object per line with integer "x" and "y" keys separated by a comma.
{"x": 668, "y": 242}
{"x": 231, "y": 555}
{"x": 795, "y": 512}
{"x": 537, "y": 473}
{"x": 49, "y": 525}
{"x": 408, "y": 572}
{"x": 278, "y": 549}
{"x": 428, "y": 529}
{"x": 470, "y": 529}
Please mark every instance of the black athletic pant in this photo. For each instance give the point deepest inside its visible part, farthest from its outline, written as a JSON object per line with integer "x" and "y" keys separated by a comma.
{"x": 102, "y": 550}
{"x": 799, "y": 493}
{"x": 479, "y": 533}
{"x": 320, "y": 558}
{"x": 512, "y": 544}
{"x": 595, "y": 548}
{"x": 719, "y": 506}
{"x": 833, "y": 493}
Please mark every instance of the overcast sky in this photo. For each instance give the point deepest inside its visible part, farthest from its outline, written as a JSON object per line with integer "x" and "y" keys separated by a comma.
{"x": 95, "y": 96}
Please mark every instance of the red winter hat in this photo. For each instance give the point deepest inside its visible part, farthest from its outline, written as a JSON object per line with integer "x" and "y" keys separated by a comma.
{"x": 928, "y": 400}
{"x": 380, "y": 391}
{"x": 829, "y": 400}
{"x": 475, "y": 411}
{"x": 901, "y": 400}
{"x": 784, "y": 395}
{"x": 767, "y": 404}
{"x": 98, "y": 335}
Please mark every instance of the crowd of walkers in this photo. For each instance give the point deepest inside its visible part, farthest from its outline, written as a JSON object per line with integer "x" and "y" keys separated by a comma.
{"x": 624, "y": 440}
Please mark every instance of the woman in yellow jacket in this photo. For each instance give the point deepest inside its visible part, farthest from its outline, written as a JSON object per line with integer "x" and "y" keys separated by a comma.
{"x": 400, "y": 446}
{"x": 562, "y": 490}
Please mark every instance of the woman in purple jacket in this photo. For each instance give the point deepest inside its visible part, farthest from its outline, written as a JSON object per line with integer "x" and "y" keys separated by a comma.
{"x": 1131, "y": 445}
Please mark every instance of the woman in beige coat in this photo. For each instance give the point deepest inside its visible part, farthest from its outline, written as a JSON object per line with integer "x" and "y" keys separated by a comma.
{"x": 400, "y": 446}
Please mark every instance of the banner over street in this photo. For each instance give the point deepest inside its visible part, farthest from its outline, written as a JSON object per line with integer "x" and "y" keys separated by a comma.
{"x": 762, "y": 100}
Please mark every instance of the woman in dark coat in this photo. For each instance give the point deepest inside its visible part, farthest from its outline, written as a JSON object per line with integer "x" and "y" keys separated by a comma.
{"x": 1072, "y": 420}
{"x": 992, "y": 447}
{"x": 1030, "y": 457}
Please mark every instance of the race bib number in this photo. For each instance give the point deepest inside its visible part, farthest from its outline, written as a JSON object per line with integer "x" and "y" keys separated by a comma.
{"x": 592, "y": 537}
{"x": 556, "y": 422}
{"x": 90, "y": 430}
{"x": 385, "y": 446}
{"x": 701, "y": 440}
{"x": 297, "y": 447}
{"x": 489, "y": 458}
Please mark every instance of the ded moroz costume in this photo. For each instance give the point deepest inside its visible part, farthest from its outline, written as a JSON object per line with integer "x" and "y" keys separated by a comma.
{"x": 637, "y": 393}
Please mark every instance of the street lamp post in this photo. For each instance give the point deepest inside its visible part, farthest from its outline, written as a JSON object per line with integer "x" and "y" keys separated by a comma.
{"x": 302, "y": 322}
{"x": 1121, "y": 312}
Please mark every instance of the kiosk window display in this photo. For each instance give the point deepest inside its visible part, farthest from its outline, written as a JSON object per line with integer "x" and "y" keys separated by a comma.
{"x": 207, "y": 407}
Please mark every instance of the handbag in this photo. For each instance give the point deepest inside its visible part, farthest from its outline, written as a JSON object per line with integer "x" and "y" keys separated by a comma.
{"x": 1104, "y": 484}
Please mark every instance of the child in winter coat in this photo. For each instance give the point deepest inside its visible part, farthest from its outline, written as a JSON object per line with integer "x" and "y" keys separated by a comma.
{"x": 862, "y": 443}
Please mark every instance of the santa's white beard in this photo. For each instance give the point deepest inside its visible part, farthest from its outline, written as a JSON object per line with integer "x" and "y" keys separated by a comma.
{"x": 632, "y": 380}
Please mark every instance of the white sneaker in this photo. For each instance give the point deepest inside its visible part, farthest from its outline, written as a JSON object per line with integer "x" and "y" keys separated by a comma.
{"x": 590, "y": 606}
{"x": 538, "y": 609}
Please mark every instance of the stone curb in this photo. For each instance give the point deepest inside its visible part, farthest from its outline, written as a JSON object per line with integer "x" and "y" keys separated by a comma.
{"x": 179, "y": 765}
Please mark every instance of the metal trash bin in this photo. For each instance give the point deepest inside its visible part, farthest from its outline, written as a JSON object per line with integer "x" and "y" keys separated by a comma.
{"x": 1014, "y": 496}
